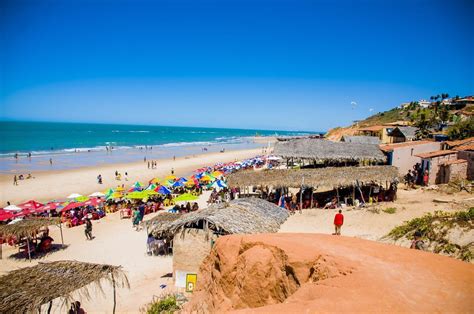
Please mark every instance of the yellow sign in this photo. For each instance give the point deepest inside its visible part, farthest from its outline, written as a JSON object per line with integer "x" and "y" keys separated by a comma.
{"x": 191, "y": 282}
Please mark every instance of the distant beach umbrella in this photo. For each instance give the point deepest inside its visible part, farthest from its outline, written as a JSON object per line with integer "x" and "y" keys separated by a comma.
{"x": 74, "y": 195}
{"x": 12, "y": 208}
{"x": 98, "y": 194}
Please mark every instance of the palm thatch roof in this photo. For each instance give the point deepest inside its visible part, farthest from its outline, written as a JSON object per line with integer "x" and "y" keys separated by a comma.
{"x": 162, "y": 218}
{"x": 361, "y": 139}
{"x": 323, "y": 179}
{"x": 322, "y": 150}
{"x": 26, "y": 289}
{"x": 27, "y": 227}
{"x": 249, "y": 215}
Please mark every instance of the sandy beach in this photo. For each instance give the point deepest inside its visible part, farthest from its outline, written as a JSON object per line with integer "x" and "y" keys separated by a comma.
{"x": 49, "y": 185}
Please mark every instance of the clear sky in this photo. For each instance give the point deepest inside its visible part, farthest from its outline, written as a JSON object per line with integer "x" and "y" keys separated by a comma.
{"x": 291, "y": 65}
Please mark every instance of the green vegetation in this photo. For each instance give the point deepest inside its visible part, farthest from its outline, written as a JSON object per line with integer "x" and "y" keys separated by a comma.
{"x": 462, "y": 129}
{"x": 164, "y": 305}
{"x": 392, "y": 115}
{"x": 390, "y": 210}
{"x": 435, "y": 228}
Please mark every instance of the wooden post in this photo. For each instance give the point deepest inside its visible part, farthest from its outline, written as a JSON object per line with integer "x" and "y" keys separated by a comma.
{"x": 28, "y": 244}
{"x": 115, "y": 294}
{"x": 301, "y": 194}
{"x": 312, "y": 190}
{"x": 50, "y": 306}
{"x": 61, "y": 230}
{"x": 337, "y": 193}
{"x": 353, "y": 195}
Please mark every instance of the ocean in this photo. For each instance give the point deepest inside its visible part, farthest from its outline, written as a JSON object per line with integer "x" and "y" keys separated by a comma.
{"x": 86, "y": 143}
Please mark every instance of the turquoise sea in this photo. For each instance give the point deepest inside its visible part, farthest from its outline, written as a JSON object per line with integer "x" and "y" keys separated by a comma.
{"x": 81, "y": 144}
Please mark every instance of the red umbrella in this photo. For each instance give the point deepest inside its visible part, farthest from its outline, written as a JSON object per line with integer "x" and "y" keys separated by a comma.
{"x": 94, "y": 202}
{"x": 49, "y": 206}
{"x": 30, "y": 205}
{"x": 5, "y": 215}
{"x": 71, "y": 206}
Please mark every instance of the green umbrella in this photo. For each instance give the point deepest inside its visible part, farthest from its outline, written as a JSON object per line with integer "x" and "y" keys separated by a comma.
{"x": 82, "y": 198}
{"x": 186, "y": 197}
{"x": 137, "y": 195}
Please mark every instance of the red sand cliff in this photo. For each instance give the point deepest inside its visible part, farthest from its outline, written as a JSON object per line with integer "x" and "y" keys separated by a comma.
{"x": 321, "y": 273}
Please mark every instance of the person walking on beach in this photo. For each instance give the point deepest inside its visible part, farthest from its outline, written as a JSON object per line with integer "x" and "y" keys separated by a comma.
{"x": 338, "y": 222}
{"x": 15, "y": 180}
{"x": 148, "y": 165}
{"x": 88, "y": 229}
{"x": 50, "y": 161}
{"x": 99, "y": 179}
{"x": 144, "y": 159}
{"x": 126, "y": 176}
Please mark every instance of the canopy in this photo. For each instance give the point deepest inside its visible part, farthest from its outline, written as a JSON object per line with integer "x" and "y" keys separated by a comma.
{"x": 152, "y": 187}
{"x": 171, "y": 177}
{"x": 71, "y": 205}
{"x": 12, "y": 208}
{"x": 50, "y": 206}
{"x": 182, "y": 179}
{"x": 163, "y": 190}
{"x": 137, "y": 195}
{"x": 99, "y": 194}
{"x": 154, "y": 180}
{"x": 217, "y": 173}
{"x": 206, "y": 178}
{"x": 150, "y": 192}
{"x": 82, "y": 198}
{"x": 219, "y": 184}
{"x": 115, "y": 195}
{"x": 186, "y": 197}
{"x": 177, "y": 184}
{"x": 137, "y": 185}
{"x": 94, "y": 202}
{"x": 74, "y": 195}
{"x": 30, "y": 205}
{"x": 5, "y": 215}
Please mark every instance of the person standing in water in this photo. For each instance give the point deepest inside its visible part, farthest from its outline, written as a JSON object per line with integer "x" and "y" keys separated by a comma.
{"x": 50, "y": 161}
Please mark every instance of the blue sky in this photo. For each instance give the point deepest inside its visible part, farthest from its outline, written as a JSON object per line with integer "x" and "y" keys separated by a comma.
{"x": 293, "y": 65}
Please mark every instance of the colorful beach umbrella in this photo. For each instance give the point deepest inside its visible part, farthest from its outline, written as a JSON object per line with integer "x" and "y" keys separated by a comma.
{"x": 186, "y": 197}
{"x": 152, "y": 187}
{"x": 94, "y": 202}
{"x": 99, "y": 194}
{"x": 219, "y": 184}
{"x": 171, "y": 177}
{"x": 50, "y": 206}
{"x": 163, "y": 190}
{"x": 6, "y": 215}
{"x": 30, "y": 205}
{"x": 81, "y": 198}
{"x": 183, "y": 179}
{"x": 137, "y": 195}
{"x": 12, "y": 208}
{"x": 115, "y": 195}
{"x": 74, "y": 195}
{"x": 155, "y": 180}
{"x": 217, "y": 173}
{"x": 177, "y": 184}
{"x": 71, "y": 205}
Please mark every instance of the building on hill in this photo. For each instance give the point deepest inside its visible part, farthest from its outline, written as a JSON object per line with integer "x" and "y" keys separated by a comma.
{"x": 424, "y": 103}
{"x": 462, "y": 102}
{"x": 316, "y": 187}
{"x": 402, "y": 134}
{"x": 380, "y": 131}
{"x": 457, "y": 143}
{"x": 361, "y": 139}
{"x": 434, "y": 162}
{"x": 404, "y": 155}
{"x": 194, "y": 234}
{"x": 319, "y": 152}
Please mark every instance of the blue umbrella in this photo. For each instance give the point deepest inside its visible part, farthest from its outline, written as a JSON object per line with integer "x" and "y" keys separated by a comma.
{"x": 177, "y": 184}
{"x": 164, "y": 190}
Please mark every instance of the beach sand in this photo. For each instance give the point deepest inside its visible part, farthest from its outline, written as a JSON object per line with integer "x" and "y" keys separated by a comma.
{"x": 49, "y": 185}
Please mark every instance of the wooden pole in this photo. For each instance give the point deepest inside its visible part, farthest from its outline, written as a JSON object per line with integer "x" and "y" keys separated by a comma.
{"x": 28, "y": 244}
{"x": 61, "y": 230}
{"x": 301, "y": 194}
{"x": 115, "y": 293}
{"x": 50, "y": 306}
{"x": 312, "y": 191}
{"x": 337, "y": 193}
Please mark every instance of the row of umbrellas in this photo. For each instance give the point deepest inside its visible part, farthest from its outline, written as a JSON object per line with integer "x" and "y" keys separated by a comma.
{"x": 210, "y": 177}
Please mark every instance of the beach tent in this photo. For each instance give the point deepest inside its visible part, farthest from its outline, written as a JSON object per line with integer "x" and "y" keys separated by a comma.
{"x": 163, "y": 190}
{"x": 186, "y": 197}
{"x": 12, "y": 208}
{"x": 99, "y": 194}
{"x": 74, "y": 195}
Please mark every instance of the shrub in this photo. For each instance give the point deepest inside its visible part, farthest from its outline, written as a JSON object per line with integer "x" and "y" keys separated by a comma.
{"x": 166, "y": 304}
{"x": 390, "y": 210}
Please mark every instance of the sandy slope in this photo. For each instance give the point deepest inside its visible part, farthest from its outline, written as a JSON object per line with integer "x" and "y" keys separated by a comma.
{"x": 59, "y": 184}
{"x": 315, "y": 273}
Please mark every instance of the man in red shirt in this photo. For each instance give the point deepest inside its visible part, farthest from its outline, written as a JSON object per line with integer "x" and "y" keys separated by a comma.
{"x": 338, "y": 222}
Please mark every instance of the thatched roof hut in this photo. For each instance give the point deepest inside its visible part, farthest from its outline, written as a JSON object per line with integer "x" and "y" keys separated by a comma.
{"x": 27, "y": 227}
{"x": 250, "y": 215}
{"x": 162, "y": 219}
{"x": 26, "y": 289}
{"x": 193, "y": 234}
{"x": 322, "y": 179}
{"x": 320, "y": 150}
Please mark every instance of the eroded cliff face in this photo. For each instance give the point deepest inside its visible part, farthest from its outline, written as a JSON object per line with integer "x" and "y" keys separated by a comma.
{"x": 320, "y": 273}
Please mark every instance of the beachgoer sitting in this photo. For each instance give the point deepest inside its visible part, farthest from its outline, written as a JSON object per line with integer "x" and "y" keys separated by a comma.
{"x": 417, "y": 242}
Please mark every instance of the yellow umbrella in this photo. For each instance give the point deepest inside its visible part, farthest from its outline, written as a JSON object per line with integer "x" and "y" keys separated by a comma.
{"x": 206, "y": 178}
{"x": 190, "y": 183}
{"x": 119, "y": 189}
{"x": 217, "y": 173}
{"x": 155, "y": 180}
{"x": 171, "y": 177}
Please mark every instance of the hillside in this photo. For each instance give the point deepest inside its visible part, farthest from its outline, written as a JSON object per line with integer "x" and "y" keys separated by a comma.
{"x": 295, "y": 273}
